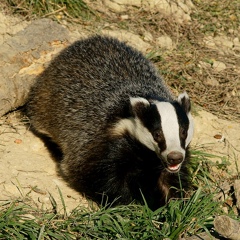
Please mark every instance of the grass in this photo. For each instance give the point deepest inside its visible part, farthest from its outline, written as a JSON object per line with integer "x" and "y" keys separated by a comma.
{"x": 201, "y": 167}
{"x": 189, "y": 216}
{"x": 217, "y": 16}
{"x": 59, "y": 9}
{"x": 178, "y": 218}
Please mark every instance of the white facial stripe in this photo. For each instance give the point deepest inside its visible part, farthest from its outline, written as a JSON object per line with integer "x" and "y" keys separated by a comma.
{"x": 170, "y": 127}
{"x": 134, "y": 127}
{"x": 144, "y": 136}
{"x": 190, "y": 130}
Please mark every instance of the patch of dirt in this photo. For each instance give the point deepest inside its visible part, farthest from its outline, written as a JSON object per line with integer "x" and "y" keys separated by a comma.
{"x": 27, "y": 170}
{"x": 206, "y": 65}
{"x": 218, "y": 137}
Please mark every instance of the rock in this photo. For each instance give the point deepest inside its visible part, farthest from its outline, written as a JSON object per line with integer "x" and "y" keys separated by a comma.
{"x": 236, "y": 44}
{"x": 202, "y": 68}
{"x": 204, "y": 64}
{"x": 10, "y": 25}
{"x": 236, "y": 41}
{"x": 220, "y": 43}
{"x": 22, "y": 58}
{"x": 218, "y": 66}
{"x": 165, "y": 42}
{"x": 208, "y": 40}
{"x": 114, "y": 6}
{"x": 223, "y": 193}
{"x": 204, "y": 235}
{"x": 121, "y": 5}
{"x": 212, "y": 82}
{"x": 130, "y": 38}
{"x": 180, "y": 10}
{"x": 237, "y": 192}
{"x": 147, "y": 36}
{"x": 223, "y": 41}
{"x": 227, "y": 227}
{"x": 136, "y": 3}
{"x": 124, "y": 17}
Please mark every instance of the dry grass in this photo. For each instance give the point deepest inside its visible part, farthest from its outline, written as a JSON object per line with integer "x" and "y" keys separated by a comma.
{"x": 215, "y": 91}
{"x": 57, "y": 9}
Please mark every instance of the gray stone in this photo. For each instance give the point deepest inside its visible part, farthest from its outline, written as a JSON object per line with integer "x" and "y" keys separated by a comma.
{"x": 22, "y": 58}
{"x": 165, "y": 42}
{"x": 237, "y": 192}
{"x": 219, "y": 66}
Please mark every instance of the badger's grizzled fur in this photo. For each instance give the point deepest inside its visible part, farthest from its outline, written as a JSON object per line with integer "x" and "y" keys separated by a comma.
{"x": 121, "y": 133}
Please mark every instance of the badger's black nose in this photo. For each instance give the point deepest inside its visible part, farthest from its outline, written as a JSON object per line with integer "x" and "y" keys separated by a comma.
{"x": 174, "y": 158}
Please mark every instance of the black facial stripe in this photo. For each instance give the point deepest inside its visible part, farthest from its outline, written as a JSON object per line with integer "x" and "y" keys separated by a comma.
{"x": 183, "y": 122}
{"x": 161, "y": 141}
{"x": 151, "y": 119}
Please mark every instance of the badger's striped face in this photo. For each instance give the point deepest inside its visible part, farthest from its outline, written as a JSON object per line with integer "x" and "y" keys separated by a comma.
{"x": 163, "y": 127}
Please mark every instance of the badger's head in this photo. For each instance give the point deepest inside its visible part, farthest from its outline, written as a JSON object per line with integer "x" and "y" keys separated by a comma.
{"x": 163, "y": 127}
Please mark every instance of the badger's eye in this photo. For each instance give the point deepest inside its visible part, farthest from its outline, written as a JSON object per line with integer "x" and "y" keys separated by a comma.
{"x": 157, "y": 136}
{"x": 183, "y": 133}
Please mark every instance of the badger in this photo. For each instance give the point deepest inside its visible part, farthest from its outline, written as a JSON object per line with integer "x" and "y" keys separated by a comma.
{"x": 122, "y": 135}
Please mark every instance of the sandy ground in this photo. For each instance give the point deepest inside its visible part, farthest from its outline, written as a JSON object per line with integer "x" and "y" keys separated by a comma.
{"x": 27, "y": 170}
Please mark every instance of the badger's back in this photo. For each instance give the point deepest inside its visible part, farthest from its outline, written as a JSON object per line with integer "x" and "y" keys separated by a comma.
{"x": 93, "y": 77}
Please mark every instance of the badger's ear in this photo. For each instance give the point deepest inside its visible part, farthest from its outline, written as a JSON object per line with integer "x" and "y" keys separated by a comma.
{"x": 184, "y": 101}
{"x": 138, "y": 105}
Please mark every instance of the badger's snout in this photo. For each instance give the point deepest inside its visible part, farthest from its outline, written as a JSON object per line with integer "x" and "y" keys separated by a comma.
{"x": 174, "y": 160}
{"x": 174, "y": 157}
